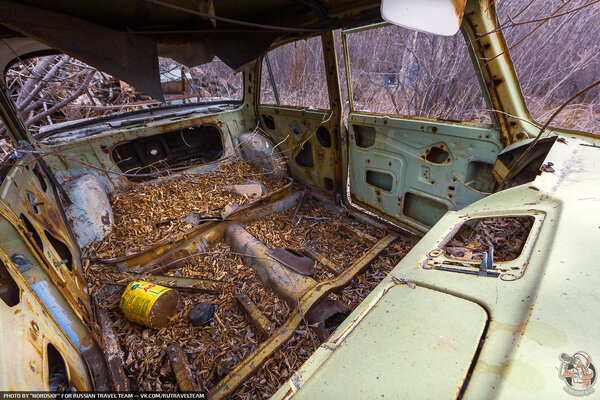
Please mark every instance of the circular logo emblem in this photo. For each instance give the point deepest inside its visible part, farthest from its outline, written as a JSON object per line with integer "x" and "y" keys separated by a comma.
{"x": 578, "y": 372}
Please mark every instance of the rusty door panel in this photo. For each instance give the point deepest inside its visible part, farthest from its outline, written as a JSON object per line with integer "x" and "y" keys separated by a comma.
{"x": 31, "y": 202}
{"x": 26, "y": 332}
{"x": 411, "y": 171}
{"x": 310, "y": 159}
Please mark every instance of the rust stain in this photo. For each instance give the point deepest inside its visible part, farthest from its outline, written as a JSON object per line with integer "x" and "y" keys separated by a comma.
{"x": 459, "y": 8}
{"x": 106, "y": 219}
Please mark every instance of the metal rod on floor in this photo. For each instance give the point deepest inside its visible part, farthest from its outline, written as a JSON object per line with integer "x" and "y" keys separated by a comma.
{"x": 248, "y": 366}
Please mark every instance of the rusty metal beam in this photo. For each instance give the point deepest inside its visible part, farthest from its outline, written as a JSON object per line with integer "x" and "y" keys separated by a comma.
{"x": 112, "y": 353}
{"x": 287, "y": 283}
{"x": 249, "y": 365}
{"x": 356, "y": 232}
{"x": 334, "y": 269}
{"x": 181, "y": 368}
{"x": 258, "y": 320}
{"x": 173, "y": 282}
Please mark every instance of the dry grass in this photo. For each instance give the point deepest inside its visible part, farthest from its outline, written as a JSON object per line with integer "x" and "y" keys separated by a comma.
{"x": 557, "y": 60}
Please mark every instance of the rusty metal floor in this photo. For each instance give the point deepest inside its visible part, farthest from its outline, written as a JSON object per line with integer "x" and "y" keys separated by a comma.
{"x": 256, "y": 318}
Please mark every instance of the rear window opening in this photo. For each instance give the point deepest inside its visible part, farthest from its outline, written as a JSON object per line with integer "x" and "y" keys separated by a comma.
{"x": 50, "y": 90}
{"x": 506, "y": 234}
{"x": 154, "y": 155}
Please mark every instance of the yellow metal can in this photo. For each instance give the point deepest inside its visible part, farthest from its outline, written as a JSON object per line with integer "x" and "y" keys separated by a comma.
{"x": 149, "y": 304}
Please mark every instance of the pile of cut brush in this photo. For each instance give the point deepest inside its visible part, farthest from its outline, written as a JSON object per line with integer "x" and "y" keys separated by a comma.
{"x": 53, "y": 89}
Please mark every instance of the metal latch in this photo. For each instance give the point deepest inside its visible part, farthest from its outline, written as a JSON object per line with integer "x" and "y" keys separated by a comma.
{"x": 487, "y": 261}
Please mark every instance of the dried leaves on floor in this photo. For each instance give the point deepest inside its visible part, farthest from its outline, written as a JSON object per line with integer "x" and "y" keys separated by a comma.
{"x": 213, "y": 350}
{"x": 289, "y": 358}
{"x": 323, "y": 237}
{"x": 155, "y": 211}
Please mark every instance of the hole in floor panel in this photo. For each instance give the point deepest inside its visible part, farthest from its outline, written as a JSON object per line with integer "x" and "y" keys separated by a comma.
{"x": 507, "y": 234}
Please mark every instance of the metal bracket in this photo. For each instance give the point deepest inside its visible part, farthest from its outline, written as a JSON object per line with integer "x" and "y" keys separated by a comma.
{"x": 487, "y": 261}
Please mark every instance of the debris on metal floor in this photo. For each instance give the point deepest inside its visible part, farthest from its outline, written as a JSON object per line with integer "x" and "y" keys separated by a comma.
{"x": 221, "y": 332}
{"x": 154, "y": 211}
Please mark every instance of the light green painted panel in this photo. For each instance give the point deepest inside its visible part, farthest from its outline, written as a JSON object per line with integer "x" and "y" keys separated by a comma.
{"x": 294, "y": 126}
{"x": 408, "y": 333}
{"x": 423, "y": 157}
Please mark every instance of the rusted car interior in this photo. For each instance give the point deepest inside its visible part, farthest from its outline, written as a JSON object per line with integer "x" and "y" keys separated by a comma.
{"x": 339, "y": 251}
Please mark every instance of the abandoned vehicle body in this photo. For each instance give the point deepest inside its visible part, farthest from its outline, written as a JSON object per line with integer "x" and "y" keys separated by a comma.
{"x": 294, "y": 249}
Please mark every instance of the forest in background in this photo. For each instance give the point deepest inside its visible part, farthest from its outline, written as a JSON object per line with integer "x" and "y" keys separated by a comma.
{"x": 553, "y": 43}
